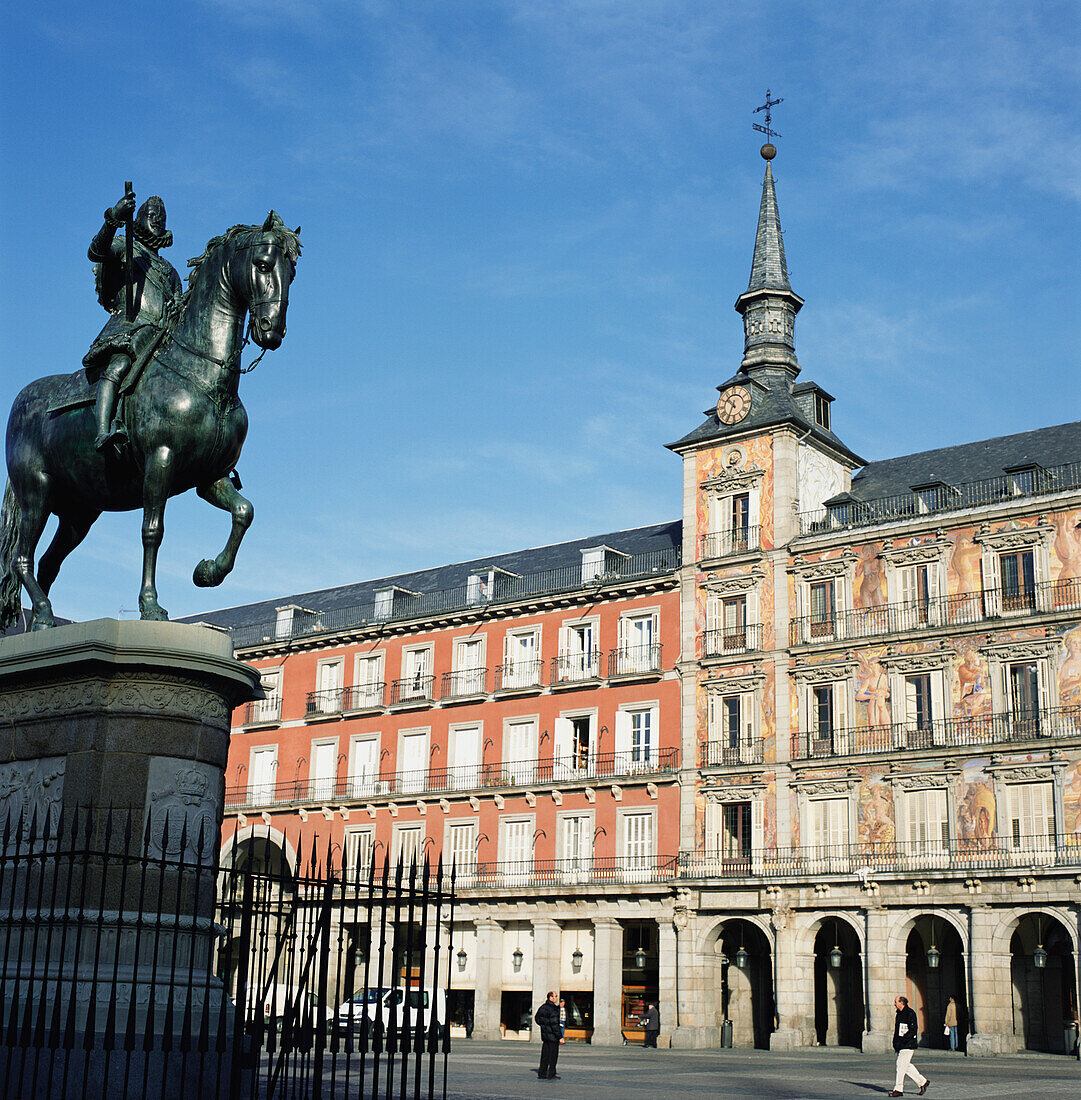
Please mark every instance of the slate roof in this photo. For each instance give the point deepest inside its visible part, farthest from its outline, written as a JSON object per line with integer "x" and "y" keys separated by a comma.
{"x": 656, "y": 538}
{"x": 968, "y": 462}
{"x": 769, "y": 270}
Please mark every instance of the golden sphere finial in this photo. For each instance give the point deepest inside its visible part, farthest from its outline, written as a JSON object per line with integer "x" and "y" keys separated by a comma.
{"x": 768, "y": 151}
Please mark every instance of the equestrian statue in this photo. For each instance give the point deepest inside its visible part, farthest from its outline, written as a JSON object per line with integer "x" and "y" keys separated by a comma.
{"x": 155, "y": 410}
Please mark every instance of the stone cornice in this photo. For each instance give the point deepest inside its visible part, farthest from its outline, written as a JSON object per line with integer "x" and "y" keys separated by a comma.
{"x": 732, "y": 481}
{"x": 825, "y": 569}
{"x": 933, "y": 661}
{"x": 925, "y": 552}
{"x": 823, "y": 673}
{"x": 1017, "y": 538}
{"x": 1021, "y": 649}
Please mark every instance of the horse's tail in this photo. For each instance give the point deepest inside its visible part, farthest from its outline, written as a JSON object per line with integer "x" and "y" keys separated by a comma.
{"x": 11, "y": 588}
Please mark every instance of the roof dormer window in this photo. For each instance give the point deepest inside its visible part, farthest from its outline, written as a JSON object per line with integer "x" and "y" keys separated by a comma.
{"x": 822, "y": 411}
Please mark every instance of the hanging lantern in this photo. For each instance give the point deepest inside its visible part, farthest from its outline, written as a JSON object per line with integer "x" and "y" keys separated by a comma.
{"x": 835, "y": 954}
{"x": 741, "y": 958}
{"x": 1039, "y": 956}
{"x": 461, "y": 957}
{"x": 933, "y": 953}
{"x": 576, "y": 960}
{"x": 640, "y": 958}
{"x": 517, "y": 958}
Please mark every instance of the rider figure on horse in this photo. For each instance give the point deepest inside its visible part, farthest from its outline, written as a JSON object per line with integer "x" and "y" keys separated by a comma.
{"x": 156, "y": 289}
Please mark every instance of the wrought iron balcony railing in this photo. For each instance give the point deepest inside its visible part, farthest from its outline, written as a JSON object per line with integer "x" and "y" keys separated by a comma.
{"x": 412, "y": 689}
{"x": 407, "y": 605}
{"x": 594, "y": 870}
{"x": 266, "y": 711}
{"x": 570, "y": 668}
{"x": 364, "y": 697}
{"x": 987, "y": 729}
{"x": 634, "y": 660}
{"x": 630, "y": 765}
{"x": 519, "y": 675}
{"x": 1048, "y": 597}
{"x": 867, "y": 860}
{"x": 722, "y": 544}
{"x": 730, "y": 751}
{"x": 721, "y": 643}
{"x": 464, "y": 683}
{"x": 947, "y": 498}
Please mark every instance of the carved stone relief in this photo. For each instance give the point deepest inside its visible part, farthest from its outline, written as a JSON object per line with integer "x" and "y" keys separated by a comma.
{"x": 818, "y": 478}
{"x": 182, "y": 799}
{"x": 33, "y": 788}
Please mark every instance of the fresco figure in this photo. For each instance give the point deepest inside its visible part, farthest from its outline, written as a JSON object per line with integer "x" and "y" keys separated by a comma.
{"x": 876, "y": 826}
{"x": 977, "y": 813}
{"x": 870, "y": 581}
{"x": 975, "y": 699}
{"x": 1071, "y": 803}
{"x": 1067, "y": 545}
{"x": 1069, "y": 673}
{"x": 873, "y": 688}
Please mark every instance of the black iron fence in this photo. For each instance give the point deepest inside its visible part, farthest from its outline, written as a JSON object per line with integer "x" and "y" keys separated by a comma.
{"x": 133, "y": 964}
{"x": 1016, "y": 725}
{"x": 630, "y": 764}
{"x": 742, "y": 639}
{"x": 738, "y": 540}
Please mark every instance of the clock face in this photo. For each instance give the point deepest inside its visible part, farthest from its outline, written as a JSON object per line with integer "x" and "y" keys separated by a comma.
{"x": 734, "y": 405}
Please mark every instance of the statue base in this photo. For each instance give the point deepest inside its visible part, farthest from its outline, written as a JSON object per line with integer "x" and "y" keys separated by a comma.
{"x": 114, "y": 743}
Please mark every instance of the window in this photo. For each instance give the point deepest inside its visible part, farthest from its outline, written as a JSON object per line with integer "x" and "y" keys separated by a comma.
{"x": 283, "y": 623}
{"x": 270, "y": 708}
{"x": 732, "y": 520}
{"x": 463, "y": 754}
{"x": 368, "y": 682}
{"x": 516, "y": 849}
{"x": 734, "y": 842}
{"x": 478, "y": 588}
{"x": 919, "y": 710}
{"x": 323, "y": 771}
{"x": 822, "y": 608}
{"x": 469, "y": 675}
{"x": 636, "y": 849}
{"x": 575, "y": 745}
{"x": 575, "y": 846}
{"x": 638, "y": 648}
{"x": 829, "y": 833}
{"x": 636, "y": 734}
{"x": 413, "y": 761}
{"x": 918, "y": 591}
{"x": 828, "y": 716}
{"x": 364, "y": 767}
{"x": 357, "y": 853}
{"x": 822, "y": 411}
{"x": 461, "y": 847}
{"x": 384, "y": 603}
{"x": 578, "y": 657}
{"x": 262, "y": 769}
{"x": 1032, "y": 817}
{"x": 519, "y": 751}
{"x": 731, "y": 728}
{"x": 329, "y": 677}
{"x": 927, "y": 827}
{"x": 1017, "y": 572}
{"x": 592, "y": 562}
{"x": 416, "y": 673}
{"x": 408, "y": 844}
{"x": 521, "y": 658}
{"x": 734, "y": 832}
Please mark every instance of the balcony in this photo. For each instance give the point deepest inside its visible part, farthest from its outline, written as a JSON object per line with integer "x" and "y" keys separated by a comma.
{"x": 643, "y": 660}
{"x": 946, "y": 733}
{"x": 576, "y": 668}
{"x": 263, "y": 712}
{"x": 326, "y": 704}
{"x": 917, "y": 504}
{"x": 1049, "y": 597}
{"x": 728, "y": 751}
{"x": 558, "y": 873}
{"x": 519, "y": 676}
{"x": 361, "y": 697}
{"x": 729, "y": 640}
{"x": 494, "y": 775}
{"x": 411, "y": 691}
{"x": 465, "y": 683}
{"x": 723, "y": 544}
{"x": 965, "y": 856}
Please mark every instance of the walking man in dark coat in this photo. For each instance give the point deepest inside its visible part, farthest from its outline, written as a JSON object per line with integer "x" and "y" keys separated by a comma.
{"x": 904, "y": 1042}
{"x": 651, "y": 1022}
{"x": 548, "y": 1018}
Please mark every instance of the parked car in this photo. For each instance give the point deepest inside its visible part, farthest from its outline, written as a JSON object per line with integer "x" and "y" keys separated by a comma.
{"x": 396, "y": 1008}
{"x": 280, "y": 1000}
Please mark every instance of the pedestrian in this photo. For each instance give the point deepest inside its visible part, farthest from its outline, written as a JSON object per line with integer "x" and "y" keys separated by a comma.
{"x": 548, "y": 1018}
{"x": 652, "y": 1023}
{"x": 904, "y": 1042}
{"x": 562, "y": 1021}
{"x": 951, "y": 1022}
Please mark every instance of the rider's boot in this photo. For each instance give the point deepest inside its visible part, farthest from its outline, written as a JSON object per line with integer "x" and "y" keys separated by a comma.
{"x": 103, "y": 412}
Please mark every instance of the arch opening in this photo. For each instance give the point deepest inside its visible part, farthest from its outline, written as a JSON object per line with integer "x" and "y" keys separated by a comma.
{"x": 935, "y": 972}
{"x": 838, "y": 985}
{"x": 746, "y": 990}
{"x": 1044, "y": 997}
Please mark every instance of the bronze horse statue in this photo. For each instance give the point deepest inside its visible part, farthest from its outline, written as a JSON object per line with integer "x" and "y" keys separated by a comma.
{"x": 183, "y": 418}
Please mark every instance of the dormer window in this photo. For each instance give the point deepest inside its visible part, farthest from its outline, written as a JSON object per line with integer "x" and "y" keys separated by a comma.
{"x": 931, "y": 497}
{"x": 599, "y": 560}
{"x": 384, "y": 601}
{"x": 1025, "y": 480}
{"x": 822, "y": 411}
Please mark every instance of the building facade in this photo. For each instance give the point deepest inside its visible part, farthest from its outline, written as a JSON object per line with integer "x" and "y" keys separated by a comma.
{"x": 813, "y": 744}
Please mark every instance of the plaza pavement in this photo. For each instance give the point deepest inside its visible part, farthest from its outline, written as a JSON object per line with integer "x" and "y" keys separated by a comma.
{"x": 507, "y": 1071}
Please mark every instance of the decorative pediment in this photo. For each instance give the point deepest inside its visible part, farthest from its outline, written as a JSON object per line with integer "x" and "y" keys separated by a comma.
{"x": 824, "y": 570}
{"x": 1019, "y": 538}
{"x": 923, "y": 781}
{"x": 733, "y": 480}
{"x": 735, "y": 585}
{"x": 924, "y": 553}
{"x": 824, "y": 673}
{"x": 735, "y": 794}
{"x": 905, "y": 664}
{"x": 1028, "y": 773}
{"x": 733, "y": 685}
{"x": 1026, "y": 649}
{"x": 822, "y": 787}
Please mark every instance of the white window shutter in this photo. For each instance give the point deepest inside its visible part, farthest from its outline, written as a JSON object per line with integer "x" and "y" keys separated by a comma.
{"x": 623, "y": 735}
{"x": 563, "y": 740}
{"x": 713, "y": 613}
{"x": 758, "y": 835}
{"x": 747, "y": 718}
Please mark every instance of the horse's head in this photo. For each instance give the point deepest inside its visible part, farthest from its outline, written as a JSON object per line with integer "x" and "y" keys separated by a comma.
{"x": 263, "y": 267}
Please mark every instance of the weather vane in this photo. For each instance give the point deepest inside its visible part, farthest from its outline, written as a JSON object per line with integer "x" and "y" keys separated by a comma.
{"x": 769, "y": 150}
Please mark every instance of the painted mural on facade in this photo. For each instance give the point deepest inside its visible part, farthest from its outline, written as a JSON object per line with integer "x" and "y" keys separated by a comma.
{"x": 976, "y": 811}
{"x": 875, "y": 818}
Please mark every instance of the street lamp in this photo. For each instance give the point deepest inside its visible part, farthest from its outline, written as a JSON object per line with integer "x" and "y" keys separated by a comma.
{"x": 835, "y": 954}
{"x": 1039, "y": 956}
{"x": 933, "y": 953}
{"x": 517, "y": 958}
{"x": 741, "y": 954}
{"x": 576, "y": 960}
{"x": 461, "y": 957}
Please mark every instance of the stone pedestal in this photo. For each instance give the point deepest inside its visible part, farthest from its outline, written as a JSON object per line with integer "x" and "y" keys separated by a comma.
{"x": 113, "y": 743}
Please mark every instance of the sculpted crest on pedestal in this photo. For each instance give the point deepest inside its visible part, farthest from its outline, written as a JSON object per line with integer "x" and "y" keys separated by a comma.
{"x": 155, "y": 410}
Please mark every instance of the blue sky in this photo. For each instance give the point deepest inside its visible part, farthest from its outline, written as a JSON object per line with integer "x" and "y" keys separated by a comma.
{"x": 524, "y": 227}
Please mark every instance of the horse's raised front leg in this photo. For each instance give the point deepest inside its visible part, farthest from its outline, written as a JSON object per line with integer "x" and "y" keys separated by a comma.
{"x": 157, "y": 479}
{"x": 222, "y": 494}
{"x": 34, "y": 514}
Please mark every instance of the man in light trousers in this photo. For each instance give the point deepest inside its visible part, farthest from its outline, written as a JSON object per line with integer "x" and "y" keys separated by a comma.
{"x": 904, "y": 1042}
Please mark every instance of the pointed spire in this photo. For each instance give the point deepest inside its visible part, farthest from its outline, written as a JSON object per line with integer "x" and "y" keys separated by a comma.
{"x": 769, "y": 305}
{"x": 768, "y": 268}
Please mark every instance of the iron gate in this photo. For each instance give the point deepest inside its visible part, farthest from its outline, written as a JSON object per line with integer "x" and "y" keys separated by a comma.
{"x": 134, "y": 964}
